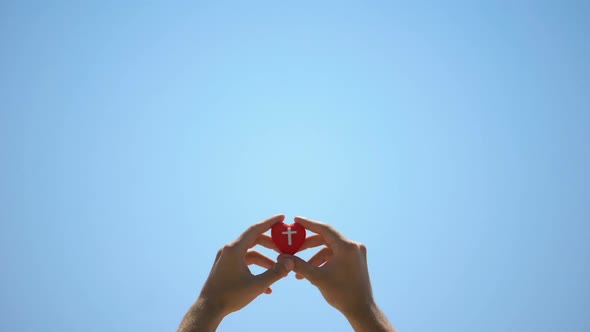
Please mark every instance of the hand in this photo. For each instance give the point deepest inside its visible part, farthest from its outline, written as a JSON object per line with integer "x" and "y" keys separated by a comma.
{"x": 230, "y": 285}
{"x": 340, "y": 272}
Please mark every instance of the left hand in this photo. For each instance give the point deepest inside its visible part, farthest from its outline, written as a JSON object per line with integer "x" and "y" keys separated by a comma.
{"x": 231, "y": 285}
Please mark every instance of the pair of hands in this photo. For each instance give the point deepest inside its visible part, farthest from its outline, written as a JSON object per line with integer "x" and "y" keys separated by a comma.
{"x": 339, "y": 271}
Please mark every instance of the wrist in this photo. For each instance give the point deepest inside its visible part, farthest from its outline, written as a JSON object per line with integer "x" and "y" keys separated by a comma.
{"x": 203, "y": 316}
{"x": 360, "y": 310}
{"x": 368, "y": 317}
{"x": 362, "y": 306}
{"x": 210, "y": 306}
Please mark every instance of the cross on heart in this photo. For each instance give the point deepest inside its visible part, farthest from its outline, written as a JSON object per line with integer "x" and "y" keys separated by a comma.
{"x": 288, "y": 237}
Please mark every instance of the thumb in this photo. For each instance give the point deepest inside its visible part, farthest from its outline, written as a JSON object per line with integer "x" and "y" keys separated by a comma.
{"x": 305, "y": 269}
{"x": 278, "y": 271}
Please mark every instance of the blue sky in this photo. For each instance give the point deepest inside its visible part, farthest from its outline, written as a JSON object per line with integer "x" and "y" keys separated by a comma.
{"x": 136, "y": 139}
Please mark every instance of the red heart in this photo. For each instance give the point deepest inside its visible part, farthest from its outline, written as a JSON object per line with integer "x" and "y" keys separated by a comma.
{"x": 288, "y": 238}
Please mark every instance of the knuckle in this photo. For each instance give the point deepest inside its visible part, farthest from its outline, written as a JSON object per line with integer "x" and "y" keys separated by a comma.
{"x": 228, "y": 248}
{"x": 354, "y": 247}
{"x": 349, "y": 246}
{"x": 363, "y": 248}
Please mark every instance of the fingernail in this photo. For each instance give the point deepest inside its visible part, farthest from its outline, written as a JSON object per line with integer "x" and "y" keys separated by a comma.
{"x": 288, "y": 264}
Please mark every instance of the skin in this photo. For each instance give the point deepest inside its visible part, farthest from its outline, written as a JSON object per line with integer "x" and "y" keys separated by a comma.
{"x": 339, "y": 270}
{"x": 230, "y": 285}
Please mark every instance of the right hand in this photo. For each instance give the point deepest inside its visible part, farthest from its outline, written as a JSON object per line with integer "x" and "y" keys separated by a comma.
{"x": 339, "y": 270}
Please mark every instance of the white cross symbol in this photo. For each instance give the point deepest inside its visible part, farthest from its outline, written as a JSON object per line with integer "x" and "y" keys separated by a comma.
{"x": 289, "y": 232}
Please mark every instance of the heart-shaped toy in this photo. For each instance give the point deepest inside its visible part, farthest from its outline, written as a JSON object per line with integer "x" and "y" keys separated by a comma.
{"x": 288, "y": 238}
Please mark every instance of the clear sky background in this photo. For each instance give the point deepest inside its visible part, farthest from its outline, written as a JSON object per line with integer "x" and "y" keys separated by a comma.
{"x": 452, "y": 139}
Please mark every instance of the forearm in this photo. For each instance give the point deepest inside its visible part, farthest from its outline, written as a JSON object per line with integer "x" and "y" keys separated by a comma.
{"x": 369, "y": 319}
{"x": 201, "y": 317}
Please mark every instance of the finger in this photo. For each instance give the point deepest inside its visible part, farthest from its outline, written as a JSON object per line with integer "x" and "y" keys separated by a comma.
{"x": 265, "y": 241}
{"x": 254, "y": 257}
{"x": 321, "y": 257}
{"x": 304, "y": 269}
{"x": 253, "y": 232}
{"x": 318, "y": 259}
{"x": 331, "y": 235}
{"x": 313, "y": 241}
{"x": 268, "y": 291}
{"x": 278, "y": 271}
